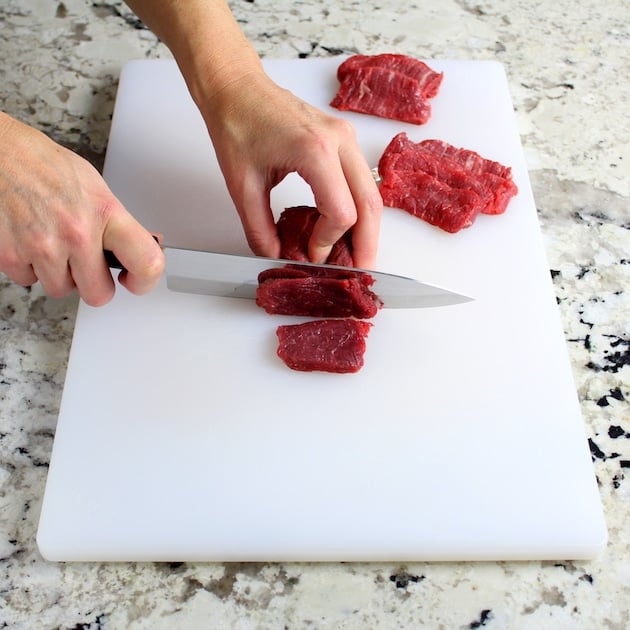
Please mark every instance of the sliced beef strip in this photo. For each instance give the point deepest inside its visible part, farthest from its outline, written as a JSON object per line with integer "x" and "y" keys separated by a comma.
{"x": 433, "y": 181}
{"x": 494, "y": 175}
{"x": 317, "y": 296}
{"x": 425, "y": 197}
{"x": 328, "y": 345}
{"x": 470, "y": 160}
{"x": 428, "y": 79}
{"x": 296, "y": 270}
{"x": 410, "y": 158}
{"x": 389, "y": 85}
{"x": 384, "y": 93}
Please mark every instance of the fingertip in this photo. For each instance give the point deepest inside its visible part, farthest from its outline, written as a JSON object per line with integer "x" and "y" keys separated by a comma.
{"x": 96, "y": 290}
{"x": 135, "y": 285}
{"x": 146, "y": 274}
{"x": 99, "y": 299}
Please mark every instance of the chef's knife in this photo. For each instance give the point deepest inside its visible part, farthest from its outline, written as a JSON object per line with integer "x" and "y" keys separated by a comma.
{"x": 230, "y": 275}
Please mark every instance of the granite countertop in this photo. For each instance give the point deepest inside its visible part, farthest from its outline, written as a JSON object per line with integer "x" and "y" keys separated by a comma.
{"x": 567, "y": 65}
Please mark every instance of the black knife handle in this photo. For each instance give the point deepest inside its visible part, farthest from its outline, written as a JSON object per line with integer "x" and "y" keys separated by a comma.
{"x": 112, "y": 260}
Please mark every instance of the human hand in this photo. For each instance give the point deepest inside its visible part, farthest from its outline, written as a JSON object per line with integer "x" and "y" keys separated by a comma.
{"x": 57, "y": 215}
{"x": 261, "y": 133}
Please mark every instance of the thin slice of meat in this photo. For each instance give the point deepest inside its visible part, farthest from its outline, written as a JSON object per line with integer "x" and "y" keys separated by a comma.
{"x": 425, "y": 197}
{"x": 296, "y": 270}
{"x": 442, "y": 184}
{"x": 295, "y": 226}
{"x": 391, "y": 86}
{"x": 410, "y": 157}
{"x": 470, "y": 160}
{"x": 309, "y": 291}
{"x": 494, "y": 176}
{"x": 384, "y": 93}
{"x": 428, "y": 79}
{"x": 327, "y": 345}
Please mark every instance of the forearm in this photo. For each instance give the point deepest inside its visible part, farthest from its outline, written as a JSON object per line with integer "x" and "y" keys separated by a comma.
{"x": 206, "y": 41}
{"x": 261, "y": 132}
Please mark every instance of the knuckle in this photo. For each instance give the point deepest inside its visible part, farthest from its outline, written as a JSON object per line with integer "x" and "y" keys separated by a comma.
{"x": 344, "y": 128}
{"x": 346, "y": 218}
{"x": 340, "y": 218}
{"x": 107, "y": 208}
{"x": 317, "y": 138}
{"x": 43, "y": 247}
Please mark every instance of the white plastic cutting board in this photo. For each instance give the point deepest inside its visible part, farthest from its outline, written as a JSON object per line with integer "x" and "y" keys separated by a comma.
{"x": 181, "y": 435}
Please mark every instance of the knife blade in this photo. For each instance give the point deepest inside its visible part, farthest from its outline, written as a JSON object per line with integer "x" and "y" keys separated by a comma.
{"x": 232, "y": 275}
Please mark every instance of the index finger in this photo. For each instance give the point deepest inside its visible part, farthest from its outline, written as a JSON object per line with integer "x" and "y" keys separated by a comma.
{"x": 369, "y": 205}
{"x": 347, "y": 197}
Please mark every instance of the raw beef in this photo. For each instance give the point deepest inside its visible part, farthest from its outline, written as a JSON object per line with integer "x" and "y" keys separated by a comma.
{"x": 331, "y": 345}
{"x": 327, "y": 345}
{"x": 295, "y": 226}
{"x": 315, "y": 292}
{"x": 384, "y": 93}
{"x": 470, "y": 160}
{"x": 442, "y": 184}
{"x": 424, "y": 196}
{"x": 493, "y": 176}
{"x": 428, "y": 80}
{"x": 388, "y": 85}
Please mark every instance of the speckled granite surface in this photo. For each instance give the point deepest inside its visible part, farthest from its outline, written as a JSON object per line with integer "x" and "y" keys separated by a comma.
{"x": 567, "y": 65}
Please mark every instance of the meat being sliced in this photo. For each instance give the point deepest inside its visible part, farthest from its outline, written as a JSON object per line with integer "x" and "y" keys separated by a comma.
{"x": 388, "y": 85}
{"x": 327, "y": 345}
{"x": 295, "y": 226}
{"x": 331, "y": 345}
{"x": 313, "y": 292}
{"x": 295, "y": 270}
{"x": 443, "y": 184}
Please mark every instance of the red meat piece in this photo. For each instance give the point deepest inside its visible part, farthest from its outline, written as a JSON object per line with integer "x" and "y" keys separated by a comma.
{"x": 444, "y": 185}
{"x": 295, "y": 226}
{"x": 313, "y": 292}
{"x": 388, "y": 85}
{"x": 410, "y": 157}
{"x": 385, "y": 93}
{"x": 327, "y": 345}
{"x": 496, "y": 177}
{"x": 470, "y": 160}
{"x": 424, "y": 196}
{"x": 305, "y": 271}
{"x": 428, "y": 80}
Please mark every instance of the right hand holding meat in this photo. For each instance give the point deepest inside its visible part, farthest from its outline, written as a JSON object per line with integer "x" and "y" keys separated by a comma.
{"x": 57, "y": 215}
